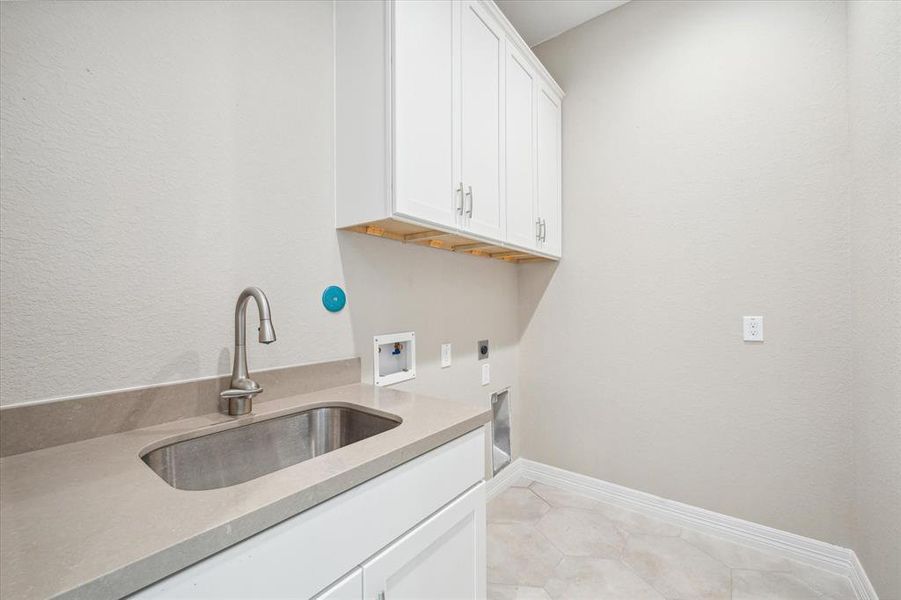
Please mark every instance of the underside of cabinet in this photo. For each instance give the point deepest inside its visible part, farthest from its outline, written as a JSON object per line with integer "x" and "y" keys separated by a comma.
{"x": 421, "y": 235}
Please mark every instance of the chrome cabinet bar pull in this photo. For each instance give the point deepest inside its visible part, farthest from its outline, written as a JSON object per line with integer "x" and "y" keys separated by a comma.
{"x": 469, "y": 193}
{"x": 460, "y": 199}
{"x": 538, "y": 229}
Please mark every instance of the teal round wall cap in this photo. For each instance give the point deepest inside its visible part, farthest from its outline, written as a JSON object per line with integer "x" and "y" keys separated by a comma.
{"x": 333, "y": 298}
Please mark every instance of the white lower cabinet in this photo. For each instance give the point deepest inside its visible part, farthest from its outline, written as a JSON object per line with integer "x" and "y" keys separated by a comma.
{"x": 444, "y": 557}
{"x": 416, "y": 531}
{"x": 349, "y": 587}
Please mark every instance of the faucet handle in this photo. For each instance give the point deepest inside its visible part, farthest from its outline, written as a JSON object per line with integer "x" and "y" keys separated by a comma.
{"x": 240, "y": 402}
{"x": 235, "y": 393}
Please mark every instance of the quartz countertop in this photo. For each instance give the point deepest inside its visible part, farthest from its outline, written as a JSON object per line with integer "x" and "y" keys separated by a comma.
{"x": 90, "y": 520}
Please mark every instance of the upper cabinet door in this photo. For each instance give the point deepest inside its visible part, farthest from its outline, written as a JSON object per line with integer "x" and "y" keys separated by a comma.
{"x": 519, "y": 126}
{"x": 482, "y": 62}
{"x": 425, "y": 40}
{"x": 549, "y": 171}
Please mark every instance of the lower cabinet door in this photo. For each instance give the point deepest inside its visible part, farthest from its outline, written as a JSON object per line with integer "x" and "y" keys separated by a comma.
{"x": 443, "y": 557}
{"x": 349, "y": 587}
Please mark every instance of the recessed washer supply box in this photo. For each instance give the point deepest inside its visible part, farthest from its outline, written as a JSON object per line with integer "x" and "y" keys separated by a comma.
{"x": 393, "y": 358}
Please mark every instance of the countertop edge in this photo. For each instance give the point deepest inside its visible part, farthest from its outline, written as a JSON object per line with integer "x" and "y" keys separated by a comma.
{"x": 144, "y": 572}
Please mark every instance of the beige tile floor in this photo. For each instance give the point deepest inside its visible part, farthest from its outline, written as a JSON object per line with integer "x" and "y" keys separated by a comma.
{"x": 544, "y": 542}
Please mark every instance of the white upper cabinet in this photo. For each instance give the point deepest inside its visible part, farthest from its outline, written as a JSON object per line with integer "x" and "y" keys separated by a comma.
{"x": 520, "y": 122}
{"x": 447, "y": 129}
{"x": 549, "y": 171}
{"x": 424, "y": 115}
{"x": 482, "y": 56}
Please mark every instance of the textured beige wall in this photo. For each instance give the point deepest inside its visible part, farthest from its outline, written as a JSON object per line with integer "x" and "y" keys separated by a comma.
{"x": 874, "y": 42}
{"x": 704, "y": 153}
{"x": 157, "y": 158}
{"x": 705, "y": 178}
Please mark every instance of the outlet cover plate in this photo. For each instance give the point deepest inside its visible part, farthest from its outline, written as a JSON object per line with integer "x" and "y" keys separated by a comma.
{"x": 752, "y": 329}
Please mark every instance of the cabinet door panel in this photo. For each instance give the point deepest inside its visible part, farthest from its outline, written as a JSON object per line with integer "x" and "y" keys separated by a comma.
{"x": 424, "y": 34}
{"x": 482, "y": 94}
{"x": 443, "y": 558}
{"x": 349, "y": 587}
{"x": 520, "y": 151}
{"x": 549, "y": 165}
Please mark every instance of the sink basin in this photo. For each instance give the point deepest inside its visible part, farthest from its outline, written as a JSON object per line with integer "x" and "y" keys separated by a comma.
{"x": 243, "y": 453}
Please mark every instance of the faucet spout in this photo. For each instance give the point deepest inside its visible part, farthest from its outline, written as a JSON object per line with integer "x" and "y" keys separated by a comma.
{"x": 267, "y": 333}
{"x": 242, "y": 388}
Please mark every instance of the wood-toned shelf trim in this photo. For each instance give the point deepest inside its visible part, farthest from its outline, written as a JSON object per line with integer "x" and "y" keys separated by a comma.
{"x": 444, "y": 240}
{"x": 423, "y": 236}
{"x": 475, "y": 247}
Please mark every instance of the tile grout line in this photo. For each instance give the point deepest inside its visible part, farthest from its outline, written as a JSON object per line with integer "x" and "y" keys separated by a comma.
{"x": 620, "y": 559}
{"x": 527, "y": 474}
{"x": 538, "y": 531}
{"x": 625, "y": 534}
{"x": 814, "y": 553}
{"x": 637, "y": 574}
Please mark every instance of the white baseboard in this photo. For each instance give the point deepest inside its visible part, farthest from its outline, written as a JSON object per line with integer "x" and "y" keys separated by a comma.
{"x": 859, "y": 580}
{"x": 834, "y": 559}
{"x": 505, "y": 478}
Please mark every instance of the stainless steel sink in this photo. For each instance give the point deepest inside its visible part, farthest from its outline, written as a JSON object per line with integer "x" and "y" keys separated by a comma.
{"x": 237, "y": 455}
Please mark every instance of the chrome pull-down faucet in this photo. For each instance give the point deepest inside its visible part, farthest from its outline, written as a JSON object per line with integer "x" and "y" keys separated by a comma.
{"x": 242, "y": 388}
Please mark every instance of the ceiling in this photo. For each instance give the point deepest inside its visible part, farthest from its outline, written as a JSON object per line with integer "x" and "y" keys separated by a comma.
{"x": 539, "y": 20}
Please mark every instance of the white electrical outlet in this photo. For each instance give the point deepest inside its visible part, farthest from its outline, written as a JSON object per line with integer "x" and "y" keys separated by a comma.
{"x": 445, "y": 355}
{"x": 752, "y": 328}
{"x": 486, "y": 374}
